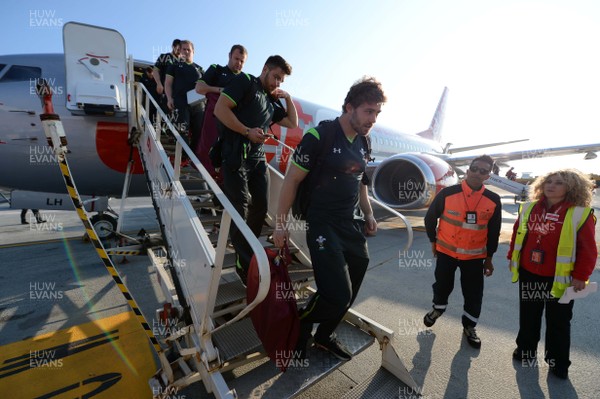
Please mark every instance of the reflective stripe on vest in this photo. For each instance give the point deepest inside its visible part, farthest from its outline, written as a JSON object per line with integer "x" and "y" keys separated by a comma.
{"x": 565, "y": 255}
{"x": 462, "y": 251}
{"x": 457, "y": 238}
{"x": 468, "y": 226}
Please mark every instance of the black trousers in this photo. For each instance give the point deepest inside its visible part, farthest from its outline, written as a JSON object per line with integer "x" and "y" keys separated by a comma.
{"x": 534, "y": 297}
{"x": 339, "y": 254}
{"x": 471, "y": 282}
{"x": 247, "y": 189}
{"x": 188, "y": 121}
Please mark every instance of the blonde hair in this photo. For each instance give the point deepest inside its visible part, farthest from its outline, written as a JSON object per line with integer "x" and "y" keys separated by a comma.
{"x": 579, "y": 186}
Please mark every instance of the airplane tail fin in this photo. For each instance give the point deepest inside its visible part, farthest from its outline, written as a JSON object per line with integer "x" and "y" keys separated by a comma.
{"x": 434, "y": 132}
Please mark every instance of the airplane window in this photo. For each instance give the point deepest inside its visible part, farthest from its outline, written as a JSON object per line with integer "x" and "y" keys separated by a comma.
{"x": 20, "y": 73}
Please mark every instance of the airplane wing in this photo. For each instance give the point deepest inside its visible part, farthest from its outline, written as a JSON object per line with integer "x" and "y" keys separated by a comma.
{"x": 589, "y": 151}
{"x": 476, "y": 147}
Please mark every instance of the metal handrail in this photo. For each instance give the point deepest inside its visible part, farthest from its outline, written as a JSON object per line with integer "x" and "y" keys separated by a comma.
{"x": 229, "y": 212}
{"x": 409, "y": 229}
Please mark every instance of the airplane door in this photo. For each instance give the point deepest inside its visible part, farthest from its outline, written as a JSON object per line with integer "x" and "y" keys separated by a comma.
{"x": 96, "y": 70}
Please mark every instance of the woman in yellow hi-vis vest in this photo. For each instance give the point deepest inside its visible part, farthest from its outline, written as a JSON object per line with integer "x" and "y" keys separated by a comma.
{"x": 553, "y": 247}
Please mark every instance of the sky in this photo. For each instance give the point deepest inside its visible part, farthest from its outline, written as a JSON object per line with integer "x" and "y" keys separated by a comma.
{"x": 514, "y": 68}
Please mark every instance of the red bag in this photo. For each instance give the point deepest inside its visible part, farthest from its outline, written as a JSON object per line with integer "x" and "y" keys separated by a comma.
{"x": 276, "y": 318}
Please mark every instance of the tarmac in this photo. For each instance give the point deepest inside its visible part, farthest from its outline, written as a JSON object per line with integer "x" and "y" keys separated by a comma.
{"x": 54, "y": 288}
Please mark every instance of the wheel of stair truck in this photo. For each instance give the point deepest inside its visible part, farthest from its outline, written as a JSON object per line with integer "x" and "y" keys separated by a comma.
{"x": 105, "y": 225}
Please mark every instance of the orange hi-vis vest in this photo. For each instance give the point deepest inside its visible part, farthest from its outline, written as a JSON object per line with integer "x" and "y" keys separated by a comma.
{"x": 456, "y": 237}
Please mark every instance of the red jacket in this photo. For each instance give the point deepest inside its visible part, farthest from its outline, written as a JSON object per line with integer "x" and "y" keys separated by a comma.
{"x": 548, "y": 237}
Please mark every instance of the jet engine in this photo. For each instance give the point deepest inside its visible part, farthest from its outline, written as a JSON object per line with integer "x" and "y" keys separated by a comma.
{"x": 410, "y": 180}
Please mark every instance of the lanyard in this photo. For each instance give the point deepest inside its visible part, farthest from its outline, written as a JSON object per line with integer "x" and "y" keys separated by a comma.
{"x": 467, "y": 202}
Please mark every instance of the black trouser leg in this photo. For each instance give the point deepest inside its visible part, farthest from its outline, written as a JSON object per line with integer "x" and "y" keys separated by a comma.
{"x": 258, "y": 185}
{"x": 471, "y": 282}
{"x": 252, "y": 179}
{"x": 558, "y": 333}
{"x": 340, "y": 259}
{"x": 532, "y": 299}
{"x": 181, "y": 120}
{"x": 445, "y": 269}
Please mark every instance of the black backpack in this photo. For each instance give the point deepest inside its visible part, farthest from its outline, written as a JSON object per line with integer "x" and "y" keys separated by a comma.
{"x": 327, "y": 131}
{"x": 216, "y": 150}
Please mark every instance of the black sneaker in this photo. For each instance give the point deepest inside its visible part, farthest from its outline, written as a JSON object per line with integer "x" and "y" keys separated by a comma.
{"x": 431, "y": 317}
{"x": 561, "y": 373}
{"x": 336, "y": 348}
{"x": 472, "y": 337}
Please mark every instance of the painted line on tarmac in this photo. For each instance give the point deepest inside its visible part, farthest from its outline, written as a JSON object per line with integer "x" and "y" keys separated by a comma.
{"x": 109, "y": 355}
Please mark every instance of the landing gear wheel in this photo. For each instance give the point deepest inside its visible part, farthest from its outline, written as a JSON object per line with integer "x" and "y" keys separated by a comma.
{"x": 105, "y": 225}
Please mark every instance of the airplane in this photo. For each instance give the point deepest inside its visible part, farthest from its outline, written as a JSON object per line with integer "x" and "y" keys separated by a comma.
{"x": 409, "y": 169}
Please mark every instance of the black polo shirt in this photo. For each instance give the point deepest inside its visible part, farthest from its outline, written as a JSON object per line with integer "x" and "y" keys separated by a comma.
{"x": 337, "y": 189}
{"x": 162, "y": 63}
{"x": 253, "y": 107}
{"x": 185, "y": 75}
{"x": 217, "y": 75}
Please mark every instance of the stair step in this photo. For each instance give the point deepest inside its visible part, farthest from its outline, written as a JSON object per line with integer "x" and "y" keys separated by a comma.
{"x": 318, "y": 364}
{"x": 382, "y": 384}
{"x": 237, "y": 340}
{"x": 202, "y": 204}
{"x": 198, "y": 192}
{"x": 230, "y": 293}
{"x": 191, "y": 182}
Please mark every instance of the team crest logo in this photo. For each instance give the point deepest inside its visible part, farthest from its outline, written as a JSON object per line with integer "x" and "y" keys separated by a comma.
{"x": 321, "y": 241}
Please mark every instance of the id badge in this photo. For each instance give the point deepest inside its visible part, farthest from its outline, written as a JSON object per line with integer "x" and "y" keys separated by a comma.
{"x": 537, "y": 256}
{"x": 471, "y": 217}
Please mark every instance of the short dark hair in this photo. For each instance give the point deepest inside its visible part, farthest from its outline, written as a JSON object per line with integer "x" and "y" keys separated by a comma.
{"x": 365, "y": 90}
{"x": 239, "y": 48}
{"x": 176, "y": 42}
{"x": 275, "y": 61}
{"x": 483, "y": 158}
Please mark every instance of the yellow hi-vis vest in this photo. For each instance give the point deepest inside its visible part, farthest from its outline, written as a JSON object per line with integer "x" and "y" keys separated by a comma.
{"x": 567, "y": 243}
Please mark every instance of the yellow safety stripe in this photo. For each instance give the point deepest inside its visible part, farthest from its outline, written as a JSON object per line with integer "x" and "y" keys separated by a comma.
{"x": 76, "y": 199}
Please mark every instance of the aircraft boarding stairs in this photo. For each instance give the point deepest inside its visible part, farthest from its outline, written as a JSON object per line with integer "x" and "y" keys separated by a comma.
{"x": 206, "y": 311}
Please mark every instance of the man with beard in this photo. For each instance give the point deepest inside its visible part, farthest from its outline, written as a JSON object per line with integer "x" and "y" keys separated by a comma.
{"x": 335, "y": 234}
{"x": 246, "y": 108}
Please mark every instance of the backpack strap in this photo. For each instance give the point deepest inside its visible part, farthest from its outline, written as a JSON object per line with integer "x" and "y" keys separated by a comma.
{"x": 326, "y": 129}
{"x": 367, "y": 143}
